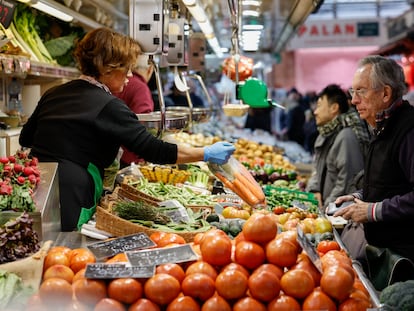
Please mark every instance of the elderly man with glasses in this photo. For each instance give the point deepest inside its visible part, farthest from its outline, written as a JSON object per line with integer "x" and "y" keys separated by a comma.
{"x": 385, "y": 204}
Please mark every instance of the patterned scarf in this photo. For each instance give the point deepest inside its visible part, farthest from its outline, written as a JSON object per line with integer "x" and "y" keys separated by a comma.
{"x": 351, "y": 119}
{"x": 348, "y": 119}
{"x": 381, "y": 117}
{"x": 93, "y": 81}
{"x": 332, "y": 126}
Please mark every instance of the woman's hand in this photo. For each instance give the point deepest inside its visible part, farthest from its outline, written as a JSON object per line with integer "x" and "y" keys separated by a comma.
{"x": 219, "y": 152}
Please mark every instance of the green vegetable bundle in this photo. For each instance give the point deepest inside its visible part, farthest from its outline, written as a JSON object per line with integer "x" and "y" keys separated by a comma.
{"x": 24, "y": 29}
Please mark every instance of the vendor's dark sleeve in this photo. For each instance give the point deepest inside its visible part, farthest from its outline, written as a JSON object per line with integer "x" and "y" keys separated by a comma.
{"x": 119, "y": 122}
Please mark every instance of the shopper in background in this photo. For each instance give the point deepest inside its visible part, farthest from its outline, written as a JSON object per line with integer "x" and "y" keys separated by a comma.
{"x": 338, "y": 157}
{"x": 385, "y": 204}
{"x": 81, "y": 125}
{"x": 179, "y": 98}
{"x": 152, "y": 84}
{"x": 259, "y": 118}
{"x": 137, "y": 96}
{"x": 295, "y": 117}
{"x": 309, "y": 127}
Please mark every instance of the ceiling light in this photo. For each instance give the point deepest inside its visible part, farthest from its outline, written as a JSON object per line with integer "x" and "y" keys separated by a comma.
{"x": 251, "y": 3}
{"x": 62, "y": 12}
{"x": 215, "y": 46}
{"x": 51, "y": 10}
{"x": 200, "y": 16}
{"x": 252, "y": 27}
{"x": 251, "y": 13}
{"x": 301, "y": 12}
{"x": 206, "y": 28}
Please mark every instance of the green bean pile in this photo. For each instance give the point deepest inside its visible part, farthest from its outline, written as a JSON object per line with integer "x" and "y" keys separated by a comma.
{"x": 185, "y": 195}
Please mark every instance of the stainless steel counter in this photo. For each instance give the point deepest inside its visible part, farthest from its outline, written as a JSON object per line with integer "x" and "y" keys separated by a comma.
{"x": 46, "y": 218}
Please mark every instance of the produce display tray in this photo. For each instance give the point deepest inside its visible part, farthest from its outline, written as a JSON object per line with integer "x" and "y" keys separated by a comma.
{"x": 46, "y": 217}
{"x": 301, "y": 196}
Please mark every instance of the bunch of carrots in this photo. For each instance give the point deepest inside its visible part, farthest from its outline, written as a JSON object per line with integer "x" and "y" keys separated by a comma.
{"x": 237, "y": 178}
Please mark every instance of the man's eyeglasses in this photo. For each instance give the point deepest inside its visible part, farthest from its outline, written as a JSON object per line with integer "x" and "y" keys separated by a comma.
{"x": 359, "y": 92}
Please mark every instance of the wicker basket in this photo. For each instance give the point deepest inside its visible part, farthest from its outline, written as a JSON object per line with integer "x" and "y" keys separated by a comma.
{"x": 136, "y": 194}
{"x": 131, "y": 193}
{"x": 117, "y": 226}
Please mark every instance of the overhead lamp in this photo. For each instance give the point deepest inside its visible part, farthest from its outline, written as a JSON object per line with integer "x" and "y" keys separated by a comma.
{"x": 251, "y": 40}
{"x": 200, "y": 16}
{"x": 206, "y": 28}
{"x": 215, "y": 46}
{"x": 252, "y": 27}
{"x": 251, "y": 13}
{"x": 62, "y": 12}
{"x": 251, "y": 3}
{"x": 301, "y": 12}
{"x": 51, "y": 10}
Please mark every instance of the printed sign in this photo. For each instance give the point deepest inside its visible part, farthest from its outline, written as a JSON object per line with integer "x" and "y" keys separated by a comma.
{"x": 115, "y": 271}
{"x": 309, "y": 249}
{"x": 6, "y": 12}
{"x": 340, "y": 33}
{"x": 112, "y": 247}
{"x": 159, "y": 256}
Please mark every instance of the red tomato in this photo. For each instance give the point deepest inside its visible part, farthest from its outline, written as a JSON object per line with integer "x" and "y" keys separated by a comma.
{"x": 125, "y": 290}
{"x": 318, "y": 300}
{"x": 162, "y": 288}
{"x": 249, "y": 254}
{"x": 283, "y": 303}
{"x": 170, "y": 238}
{"x": 201, "y": 267}
{"x": 216, "y": 250}
{"x": 143, "y": 304}
{"x": 109, "y": 304}
{"x": 173, "y": 269}
{"x": 263, "y": 285}
{"x": 182, "y": 303}
{"x": 216, "y": 303}
{"x": 249, "y": 304}
{"x": 199, "y": 286}
{"x": 327, "y": 245}
{"x": 231, "y": 284}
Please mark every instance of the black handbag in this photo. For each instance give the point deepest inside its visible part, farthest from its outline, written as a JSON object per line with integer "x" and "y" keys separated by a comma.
{"x": 386, "y": 267}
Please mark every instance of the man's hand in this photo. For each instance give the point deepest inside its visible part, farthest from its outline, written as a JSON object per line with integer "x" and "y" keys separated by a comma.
{"x": 358, "y": 211}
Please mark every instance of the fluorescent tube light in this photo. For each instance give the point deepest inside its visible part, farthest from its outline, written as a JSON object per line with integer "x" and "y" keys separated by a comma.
{"x": 250, "y": 13}
{"x": 200, "y": 16}
{"x": 251, "y": 3}
{"x": 46, "y": 8}
{"x": 252, "y": 27}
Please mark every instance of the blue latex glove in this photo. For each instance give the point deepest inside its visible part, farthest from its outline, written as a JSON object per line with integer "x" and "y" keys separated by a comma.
{"x": 219, "y": 152}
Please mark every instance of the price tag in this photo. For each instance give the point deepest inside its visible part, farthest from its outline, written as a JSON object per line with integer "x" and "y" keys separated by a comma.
{"x": 175, "y": 210}
{"x": 112, "y": 247}
{"x": 159, "y": 256}
{"x": 6, "y": 12}
{"x": 309, "y": 248}
{"x": 115, "y": 271}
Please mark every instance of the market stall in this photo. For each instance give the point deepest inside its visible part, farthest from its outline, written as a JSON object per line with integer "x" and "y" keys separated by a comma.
{"x": 191, "y": 253}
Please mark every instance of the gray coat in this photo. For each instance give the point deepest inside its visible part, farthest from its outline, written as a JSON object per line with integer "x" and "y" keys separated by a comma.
{"x": 338, "y": 159}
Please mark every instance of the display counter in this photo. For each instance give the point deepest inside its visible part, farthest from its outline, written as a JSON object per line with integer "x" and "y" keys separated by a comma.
{"x": 46, "y": 218}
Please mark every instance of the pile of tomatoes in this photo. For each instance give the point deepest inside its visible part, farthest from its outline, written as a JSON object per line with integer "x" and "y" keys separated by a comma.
{"x": 260, "y": 269}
